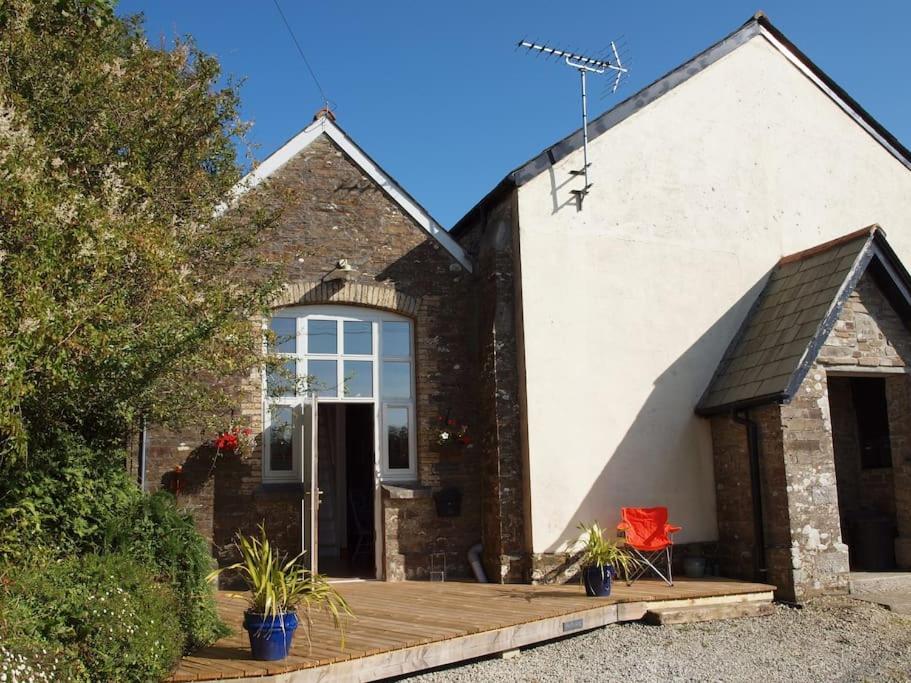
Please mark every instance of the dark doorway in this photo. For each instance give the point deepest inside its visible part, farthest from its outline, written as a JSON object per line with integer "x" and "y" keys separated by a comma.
{"x": 863, "y": 470}
{"x": 346, "y": 466}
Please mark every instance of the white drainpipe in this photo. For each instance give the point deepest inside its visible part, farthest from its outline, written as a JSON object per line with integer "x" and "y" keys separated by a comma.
{"x": 474, "y": 558}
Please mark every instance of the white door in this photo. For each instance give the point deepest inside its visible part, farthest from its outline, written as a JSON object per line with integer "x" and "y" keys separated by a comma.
{"x": 310, "y": 480}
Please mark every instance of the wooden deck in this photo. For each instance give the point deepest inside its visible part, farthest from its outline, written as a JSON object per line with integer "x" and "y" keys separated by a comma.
{"x": 401, "y": 628}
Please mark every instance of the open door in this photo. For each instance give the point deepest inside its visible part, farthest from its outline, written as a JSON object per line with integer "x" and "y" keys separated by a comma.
{"x": 310, "y": 481}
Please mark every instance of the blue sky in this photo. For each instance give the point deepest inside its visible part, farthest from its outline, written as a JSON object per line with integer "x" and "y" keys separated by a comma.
{"x": 438, "y": 95}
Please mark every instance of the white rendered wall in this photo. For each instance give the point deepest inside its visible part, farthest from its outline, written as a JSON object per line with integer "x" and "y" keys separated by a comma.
{"x": 629, "y": 304}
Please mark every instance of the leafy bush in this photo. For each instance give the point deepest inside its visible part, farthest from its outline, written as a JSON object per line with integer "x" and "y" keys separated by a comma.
{"x": 160, "y": 535}
{"x": 24, "y": 659}
{"x": 63, "y": 500}
{"x": 95, "y": 618}
{"x": 72, "y": 500}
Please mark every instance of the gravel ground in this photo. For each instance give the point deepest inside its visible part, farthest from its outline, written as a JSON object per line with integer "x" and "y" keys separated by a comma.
{"x": 830, "y": 639}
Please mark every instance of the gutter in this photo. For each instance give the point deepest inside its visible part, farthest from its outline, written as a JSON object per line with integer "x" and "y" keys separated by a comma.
{"x": 734, "y": 407}
{"x": 143, "y": 453}
{"x": 753, "y": 451}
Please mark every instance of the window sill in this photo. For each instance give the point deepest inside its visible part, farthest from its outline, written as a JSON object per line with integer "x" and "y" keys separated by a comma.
{"x": 278, "y": 487}
{"x": 407, "y": 491}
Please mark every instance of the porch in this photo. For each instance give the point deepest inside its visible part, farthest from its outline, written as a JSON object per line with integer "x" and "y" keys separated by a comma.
{"x": 405, "y": 627}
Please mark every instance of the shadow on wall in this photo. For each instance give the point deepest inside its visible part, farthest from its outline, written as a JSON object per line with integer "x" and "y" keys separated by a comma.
{"x": 195, "y": 472}
{"x": 665, "y": 457}
{"x": 208, "y": 486}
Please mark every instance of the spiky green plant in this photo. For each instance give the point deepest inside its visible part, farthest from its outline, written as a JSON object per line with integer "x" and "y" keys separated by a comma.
{"x": 278, "y": 585}
{"x": 598, "y": 551}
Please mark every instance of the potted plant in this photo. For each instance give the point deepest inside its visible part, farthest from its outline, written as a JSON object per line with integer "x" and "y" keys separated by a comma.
{"x": 236, "y": 440}
{"x": 602, "y": 559}
{"x": 281, "y": 591}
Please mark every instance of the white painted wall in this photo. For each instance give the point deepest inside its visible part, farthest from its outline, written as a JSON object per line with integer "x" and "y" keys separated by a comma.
{"x": 629, "y": 304}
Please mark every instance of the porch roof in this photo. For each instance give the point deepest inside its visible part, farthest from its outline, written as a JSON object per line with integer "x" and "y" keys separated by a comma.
{"x": 781, "y": 336}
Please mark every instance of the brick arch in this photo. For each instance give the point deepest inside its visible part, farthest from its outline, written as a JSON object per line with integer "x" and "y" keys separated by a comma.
{"x": 311, "y": 292}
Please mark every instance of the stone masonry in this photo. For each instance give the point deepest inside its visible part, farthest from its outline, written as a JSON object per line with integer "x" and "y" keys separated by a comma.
{"x": 870, "y": 335}
{"x": 804, "y": 550}
{"x": 491, "y": 239}
{"x": 338, "y": 212}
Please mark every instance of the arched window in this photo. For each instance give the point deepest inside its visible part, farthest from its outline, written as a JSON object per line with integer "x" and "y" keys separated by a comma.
{"x": 344, "y": 355}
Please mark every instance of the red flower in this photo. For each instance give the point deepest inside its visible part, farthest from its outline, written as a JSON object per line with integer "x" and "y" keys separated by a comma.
{"x": 226, "y": 441}
{"x": 466, "y": 439}
{"x": 450, "y": 422}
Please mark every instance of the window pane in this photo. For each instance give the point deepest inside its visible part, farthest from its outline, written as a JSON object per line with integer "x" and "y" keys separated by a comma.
{"x": 282, "y": 381}
{"x": 322, "y": 336}
{"x": 285, "y": 331}
{"x": 397, "y": 437}
{"x": 280, "y": 434}
{"x": 358, "y": 337}
{"x": 396, "y": 379}
{"x": 358, "y": 378}
{"x": 323, "y": 376}
{"x": 396, "y": 339}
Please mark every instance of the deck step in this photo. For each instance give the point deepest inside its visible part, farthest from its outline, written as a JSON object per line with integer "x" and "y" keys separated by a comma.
{"x": 661, "y": 616}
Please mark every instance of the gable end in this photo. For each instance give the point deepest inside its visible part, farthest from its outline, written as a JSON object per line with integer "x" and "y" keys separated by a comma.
{"x": 759, "y": 25}
{"x": 324, "y": 126}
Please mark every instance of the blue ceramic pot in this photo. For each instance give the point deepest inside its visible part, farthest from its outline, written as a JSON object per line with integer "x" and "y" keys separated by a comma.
{"x": 597, "y": 581}
{"x": 270, "y": 637}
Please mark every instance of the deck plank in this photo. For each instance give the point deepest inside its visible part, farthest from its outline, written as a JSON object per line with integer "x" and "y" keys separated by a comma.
{"x": 401, "y": 627}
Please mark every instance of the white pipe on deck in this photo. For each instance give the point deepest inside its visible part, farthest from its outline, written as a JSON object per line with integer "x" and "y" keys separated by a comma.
{"x": 474, "y": 558}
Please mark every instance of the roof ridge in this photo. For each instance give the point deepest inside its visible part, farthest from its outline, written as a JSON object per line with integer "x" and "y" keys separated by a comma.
{"x": 825, "y": 246}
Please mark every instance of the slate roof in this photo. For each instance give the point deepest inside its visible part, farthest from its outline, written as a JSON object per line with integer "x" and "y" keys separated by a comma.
{"x": 781, "y": 336}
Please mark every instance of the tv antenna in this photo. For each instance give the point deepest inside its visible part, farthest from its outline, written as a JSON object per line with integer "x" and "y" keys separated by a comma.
{"x": 584, "y": 65}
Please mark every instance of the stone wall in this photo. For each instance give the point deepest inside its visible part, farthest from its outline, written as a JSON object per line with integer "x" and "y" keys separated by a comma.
{"x": 737, "y": 544}
{"x": 868, "y": 332}
{"x": 870, "y": 336}
{"x": 805, "y": 552}
{"x": 898, "y": 401}
{"x": 491, "y": 240}
{"x": 818, "y": 553}
{"x": 733, "y": 498}
{"x": 337, "y": 212}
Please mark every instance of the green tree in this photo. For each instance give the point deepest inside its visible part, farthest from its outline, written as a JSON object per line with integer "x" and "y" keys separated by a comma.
{"x": 125, "y": 290}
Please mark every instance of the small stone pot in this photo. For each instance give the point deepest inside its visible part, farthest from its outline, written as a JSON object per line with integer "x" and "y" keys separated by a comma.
{"x": 597, "y": 581}
{"x": 694, "y": 567}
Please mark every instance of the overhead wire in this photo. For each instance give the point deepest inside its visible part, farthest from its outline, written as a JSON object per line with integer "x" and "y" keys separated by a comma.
{"x": 300, "y": 51}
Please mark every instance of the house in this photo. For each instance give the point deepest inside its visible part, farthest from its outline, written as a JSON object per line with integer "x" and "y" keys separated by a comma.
{"x": 378, "y": 310}
{"x": 706, "y": 330}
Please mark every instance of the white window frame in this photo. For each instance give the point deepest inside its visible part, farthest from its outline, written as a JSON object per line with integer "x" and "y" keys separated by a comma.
{"x": 398, "y": 474}
{"x": 341, "y": 314}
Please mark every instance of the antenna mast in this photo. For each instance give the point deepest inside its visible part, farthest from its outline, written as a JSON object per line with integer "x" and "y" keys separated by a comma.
{"x": 584, "y": 65}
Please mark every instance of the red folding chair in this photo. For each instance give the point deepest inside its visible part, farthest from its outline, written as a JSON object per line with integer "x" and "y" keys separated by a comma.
{"x": 648, "y": 536}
